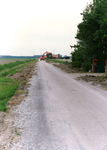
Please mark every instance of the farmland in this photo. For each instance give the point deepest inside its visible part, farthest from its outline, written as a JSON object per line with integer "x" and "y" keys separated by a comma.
{"x": 8, "y": 60}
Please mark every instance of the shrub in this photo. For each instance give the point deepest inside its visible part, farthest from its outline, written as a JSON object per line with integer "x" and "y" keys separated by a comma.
{"x": 76, "y": 64}
{"x": 86, "y": 66}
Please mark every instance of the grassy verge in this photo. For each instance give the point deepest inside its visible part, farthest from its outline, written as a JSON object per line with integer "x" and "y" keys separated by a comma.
{"x": 56, "y": 61}
{"x": 7, "y": 85}
{"x": 60, "y": 61}
{"x": 7, "y": 89}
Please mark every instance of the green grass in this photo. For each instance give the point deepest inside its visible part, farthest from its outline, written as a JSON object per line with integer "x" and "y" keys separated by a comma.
{"x": 7, "y": 90}
{"x": 10, "y": 65}
{"x": 7, "y": 85}
{"x": 60, "y": 61}
{"x": 18, "y": 133}
{"x": 12, "y": 71}
{"x": 56, "y": 61}
{"x": 13, "y": 64}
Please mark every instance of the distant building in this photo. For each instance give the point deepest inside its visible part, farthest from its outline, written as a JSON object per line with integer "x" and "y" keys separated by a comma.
{"x": 55, "y": 56}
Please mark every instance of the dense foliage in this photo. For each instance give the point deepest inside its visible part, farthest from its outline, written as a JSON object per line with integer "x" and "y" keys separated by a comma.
{"x": 92, "y": 34}
{"x": 49, "y": 55}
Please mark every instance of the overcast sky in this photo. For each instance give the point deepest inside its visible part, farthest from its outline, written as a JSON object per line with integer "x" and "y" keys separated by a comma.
{"x": 31, "y": 27}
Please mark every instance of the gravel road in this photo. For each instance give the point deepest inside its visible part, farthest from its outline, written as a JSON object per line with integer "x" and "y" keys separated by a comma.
{"x": 61, "y": 113}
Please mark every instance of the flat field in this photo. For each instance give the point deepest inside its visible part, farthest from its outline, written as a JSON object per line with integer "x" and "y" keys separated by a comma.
{"x": 8, "y": 60}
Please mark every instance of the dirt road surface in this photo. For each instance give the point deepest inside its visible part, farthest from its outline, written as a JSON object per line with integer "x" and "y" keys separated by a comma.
{"x": 61, "y": 113}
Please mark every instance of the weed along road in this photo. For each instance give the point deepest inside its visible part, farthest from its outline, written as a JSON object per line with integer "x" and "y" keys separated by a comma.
{"x": 61, "y": 113}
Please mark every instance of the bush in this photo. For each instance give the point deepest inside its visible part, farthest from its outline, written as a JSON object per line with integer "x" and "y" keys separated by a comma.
{"x": 100, "y": 68}
{"x": 86, "y": 66}
{"x": 76, "y": 64}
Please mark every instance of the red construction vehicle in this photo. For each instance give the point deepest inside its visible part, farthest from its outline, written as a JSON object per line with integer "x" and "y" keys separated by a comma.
{"x": 43, "y": 56}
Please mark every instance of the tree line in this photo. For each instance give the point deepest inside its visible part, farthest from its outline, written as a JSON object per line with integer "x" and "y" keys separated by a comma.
{"x": 91, "y": 35}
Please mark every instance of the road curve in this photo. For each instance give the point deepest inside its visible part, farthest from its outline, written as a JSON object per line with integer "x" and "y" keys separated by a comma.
{"x": 61, "y": 113}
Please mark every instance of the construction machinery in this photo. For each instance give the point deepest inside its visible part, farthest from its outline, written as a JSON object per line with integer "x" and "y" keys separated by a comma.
{"x": 43, "y": 56}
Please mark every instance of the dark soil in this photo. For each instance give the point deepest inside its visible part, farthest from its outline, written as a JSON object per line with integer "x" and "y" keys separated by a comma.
{"x": 95, "y": 80}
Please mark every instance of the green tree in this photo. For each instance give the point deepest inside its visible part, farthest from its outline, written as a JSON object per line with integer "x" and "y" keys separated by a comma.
{"x": 59, "y": 56}
{"x": 92, "y": 33}
{"x": 49, "y": 55}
